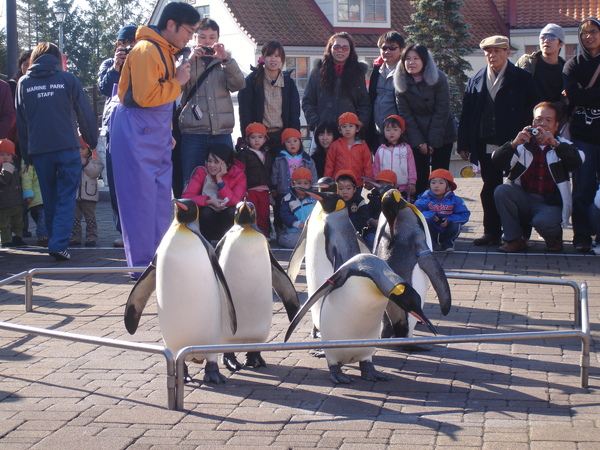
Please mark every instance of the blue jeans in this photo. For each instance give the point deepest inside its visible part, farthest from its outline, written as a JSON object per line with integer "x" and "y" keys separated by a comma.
{"x": 585, "y": 184}
{"x": 59, "y": 174}
{"x": 194, "y": 150}
{"x": 447, "y": 237}
{"x": 37, "y": 214}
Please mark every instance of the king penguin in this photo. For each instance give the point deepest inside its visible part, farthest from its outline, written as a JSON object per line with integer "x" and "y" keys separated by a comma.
{"x": 191, "y": 290}
{"x": 327, "y": 241}
{"x": 252, "y": 272}
{"x": 403, "y": 241}
{"x": 354, "y": 299}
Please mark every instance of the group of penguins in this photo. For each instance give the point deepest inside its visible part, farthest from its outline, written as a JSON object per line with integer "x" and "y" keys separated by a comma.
{"x": 209, "y": 296}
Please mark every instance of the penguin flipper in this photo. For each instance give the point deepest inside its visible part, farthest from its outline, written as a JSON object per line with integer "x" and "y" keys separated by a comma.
{"x": 138, "y": 297}
{"x": 435, "y": 272}
{"x": 398, "y": 319}
{"x": 214, "y": 262}
{"x": 423, "y": 224}
{"x": 284, "y": 288}
{"x": 297, "y": 255}
{"x": 322, "y": 291}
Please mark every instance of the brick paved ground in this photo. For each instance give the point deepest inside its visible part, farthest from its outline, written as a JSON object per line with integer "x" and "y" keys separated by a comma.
{"x": 59, "y": 394}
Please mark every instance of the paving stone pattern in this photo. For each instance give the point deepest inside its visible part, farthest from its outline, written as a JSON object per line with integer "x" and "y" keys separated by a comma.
{"x": 521, "y": 395}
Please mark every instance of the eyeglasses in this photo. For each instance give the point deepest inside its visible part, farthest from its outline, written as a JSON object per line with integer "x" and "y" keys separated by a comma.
{"x": 590, "y": 33}
{"x": 341, "y": 48}
{"x": 548, "y": 37}
{"x": 191, "y": 33}
{"x": 391, "y": 48}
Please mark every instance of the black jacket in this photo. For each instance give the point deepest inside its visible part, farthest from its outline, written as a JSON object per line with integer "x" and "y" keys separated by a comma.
{"x": 50, "y": 105}
{"x": 577, "y": 73}
{"x": 513, "y": 108}
{"x": 252, "y": 102}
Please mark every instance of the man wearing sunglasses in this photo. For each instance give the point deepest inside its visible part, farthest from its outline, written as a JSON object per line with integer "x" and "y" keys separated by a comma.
{"x": 381, "y": 84}
{"x": 546, "y": 64}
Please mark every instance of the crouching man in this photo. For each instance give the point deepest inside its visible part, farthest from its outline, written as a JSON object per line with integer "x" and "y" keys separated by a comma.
{"x": 537, "y": 191}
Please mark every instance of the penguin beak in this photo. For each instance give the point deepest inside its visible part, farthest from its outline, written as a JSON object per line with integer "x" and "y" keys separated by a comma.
{"x": 425, "y": 321}
{"x": 374, "y": 183}
{"x": 179, "y": 205}
{"x": 311, "y": 193}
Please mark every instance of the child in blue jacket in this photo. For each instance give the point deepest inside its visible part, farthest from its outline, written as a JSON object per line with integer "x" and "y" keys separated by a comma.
{"x": 296, "y": 206}
{"x": 445, "y": 212}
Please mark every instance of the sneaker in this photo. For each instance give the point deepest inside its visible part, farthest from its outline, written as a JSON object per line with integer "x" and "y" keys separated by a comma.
{"x": 450, "y": 250}
{"x": 74, "y": 243}
{"x": 118, "y": 242}
{"x": 8, "y": 245}
{"x": 43, "y": 241}
{"x": 555, "y": 245}
{"x": 61, "y": 256}
{"x": 27, "y": 233}
{"x": 90, "y": 243}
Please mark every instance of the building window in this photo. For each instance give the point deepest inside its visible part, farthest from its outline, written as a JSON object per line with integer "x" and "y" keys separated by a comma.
{"x": 204, "y": 11}
{"x": 349, "y": 10}
{"x": 362, "y": 10}
{"x": 301, "y": 70}
{"x": 375, "y": 10}
{"x": 570, "y": 51}
{"x": 529, "y": 49}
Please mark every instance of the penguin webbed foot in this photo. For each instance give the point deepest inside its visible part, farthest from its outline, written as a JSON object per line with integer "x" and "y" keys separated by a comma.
{"x": 318, "y": 353}
{"x": 315, "y": 333}
{"x": 212, "y": 374}
{"x": 337, "y": 377}
{"x": 368, "y": 372}
{"x": 230, "y": 362}
{"x": 254, "y": 360}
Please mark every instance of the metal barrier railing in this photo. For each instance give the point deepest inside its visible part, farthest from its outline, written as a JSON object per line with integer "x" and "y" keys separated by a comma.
{"x": 136, "y": 346}
{"x": 175, "y": 371}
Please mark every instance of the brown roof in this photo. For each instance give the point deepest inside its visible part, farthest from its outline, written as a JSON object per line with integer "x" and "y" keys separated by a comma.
{"x": 302, "y": 23}
{"x": 566, "y": 13}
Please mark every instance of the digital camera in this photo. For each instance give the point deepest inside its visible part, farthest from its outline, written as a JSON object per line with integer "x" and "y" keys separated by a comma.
{"x": 533, "y": 131}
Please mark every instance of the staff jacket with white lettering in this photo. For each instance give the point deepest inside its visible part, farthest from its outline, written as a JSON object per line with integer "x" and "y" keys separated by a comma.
{"x": 50, "y": 105}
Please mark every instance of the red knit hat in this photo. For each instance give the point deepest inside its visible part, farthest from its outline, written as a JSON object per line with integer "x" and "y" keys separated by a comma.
{"x": 288, "y": 133}
{"x": 446, "y": 175}
{"x": 256, "y": 127}
{"x": 349, "y": 117}
{"x": 302, "y": 173}
{"x": 7, "y": 146}
{"x": 347, "y": 173}
{"x": 389, "y": 176}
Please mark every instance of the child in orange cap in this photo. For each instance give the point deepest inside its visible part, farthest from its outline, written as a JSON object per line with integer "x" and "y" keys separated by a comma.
{"x": 296, "y": 206}
{"x": 258, "y": 162}
{"x": 349, "y": 152}
{"x": 358, "y": 210}
{"x": 284, "y": 165}
{"x": 11, "y": 197}
{"x": 397, "y": 156}
{"x": 444, "y": 211}
{"x": 87, "y": 197}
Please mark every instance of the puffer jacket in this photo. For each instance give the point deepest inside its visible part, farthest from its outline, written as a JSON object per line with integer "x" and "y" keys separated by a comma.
{"x": 425, "y": 106}
{"x": 213, "y": 97}
{"x": 234, "y": 188}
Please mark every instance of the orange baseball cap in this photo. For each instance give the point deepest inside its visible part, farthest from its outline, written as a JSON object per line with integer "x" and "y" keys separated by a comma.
{"x": 446, "y": 175}
{"x": 288, "y": 133}
{"x": 256, "y": 127}
{"x": 349, "y": 117}
{"x": 389, "y": 176}
{"x": 302, "y": 173}
{"x": 399, "y": 119}
{"x": 347, "y": 173}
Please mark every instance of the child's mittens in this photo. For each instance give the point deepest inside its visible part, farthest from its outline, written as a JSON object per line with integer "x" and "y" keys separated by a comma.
{"x": 8, "y": 167}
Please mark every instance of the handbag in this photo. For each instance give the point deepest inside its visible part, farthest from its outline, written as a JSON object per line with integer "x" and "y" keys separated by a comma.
{"x": 565, "y": 131}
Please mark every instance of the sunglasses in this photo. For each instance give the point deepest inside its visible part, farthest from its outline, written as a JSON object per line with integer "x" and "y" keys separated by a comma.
{"x": 391, "y": 48}
{"x": 548, "y": 37}
{"x": 343, "y": 48}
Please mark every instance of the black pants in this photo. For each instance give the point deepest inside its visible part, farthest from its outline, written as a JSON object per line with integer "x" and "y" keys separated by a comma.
{"x": 214, "y": 224}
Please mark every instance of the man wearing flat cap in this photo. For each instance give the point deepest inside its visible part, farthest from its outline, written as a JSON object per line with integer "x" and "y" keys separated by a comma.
{"x": 497, "y": 105}
{"x": 546, "y": 64}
